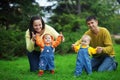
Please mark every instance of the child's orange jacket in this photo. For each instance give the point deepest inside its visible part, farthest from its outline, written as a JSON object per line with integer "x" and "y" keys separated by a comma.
{"x": 54, "y": 44}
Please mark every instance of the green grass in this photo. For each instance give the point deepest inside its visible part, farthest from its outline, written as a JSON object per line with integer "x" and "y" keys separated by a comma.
{"x": 65, "y": 65}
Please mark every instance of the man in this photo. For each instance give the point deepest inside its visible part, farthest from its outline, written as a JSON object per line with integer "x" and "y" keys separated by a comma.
{"x": 100, "y": 39}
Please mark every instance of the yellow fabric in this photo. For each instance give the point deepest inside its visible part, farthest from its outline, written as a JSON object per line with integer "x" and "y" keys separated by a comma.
{"x": 90, "y": 49}
{"x": 102, "y": 39}
{"x": 30, "y": 44}
{"x": 76, "y": 48}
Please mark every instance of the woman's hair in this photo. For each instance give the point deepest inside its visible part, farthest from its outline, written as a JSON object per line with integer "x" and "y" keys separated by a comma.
{"x": 31, "y": 29}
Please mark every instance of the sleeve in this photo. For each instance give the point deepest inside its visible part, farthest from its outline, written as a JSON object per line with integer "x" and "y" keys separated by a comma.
{"x": 92, "y": 50}
{"x": 57, "y": 42}
{"x": 76, "y": 48}
{"x": 53, "y": 32}
{"x": 107, "y": 42}
{"x": 39, "y": 41}
{"x": 29, "y": 42}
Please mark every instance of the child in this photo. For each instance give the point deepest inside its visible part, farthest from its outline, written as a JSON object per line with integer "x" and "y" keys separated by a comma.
{"x": 47, "y": 45}
{"x": 83, "y": 59}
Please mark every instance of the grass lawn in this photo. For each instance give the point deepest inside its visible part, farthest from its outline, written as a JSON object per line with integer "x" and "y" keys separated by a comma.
{"x": 65, "y": 65}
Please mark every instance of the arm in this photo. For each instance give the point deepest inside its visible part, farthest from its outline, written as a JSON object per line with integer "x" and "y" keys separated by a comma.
{"x": 53, "y": 32}
{"x": 92, "y": 50}
{"x": 108, "y": 43}
{"x": 39, "y": 41}
{"x": 76, "y": 48}
{"x": 29, "y": 42}
{"x": 107, "y": 46}
{"x": 78, "y": 42}
{"x": 57, "y": 42}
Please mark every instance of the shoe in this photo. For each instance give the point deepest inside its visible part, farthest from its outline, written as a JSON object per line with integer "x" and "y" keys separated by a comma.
{"x": 40, "y": 73}
{"x": 52, "y": 71}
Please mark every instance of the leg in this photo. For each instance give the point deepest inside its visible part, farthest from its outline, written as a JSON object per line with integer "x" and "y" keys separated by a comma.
{"x": 88, "y": 66}
{"x": 79, "y": 67}
{"x": 108, "y": 64}
{"x": 51, "y": 65}
{"x": 95, "y": 62}
{"x": 33, "y": 58}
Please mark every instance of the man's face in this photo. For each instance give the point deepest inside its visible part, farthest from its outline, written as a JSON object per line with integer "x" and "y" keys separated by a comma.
{"x": 92, "y": 24}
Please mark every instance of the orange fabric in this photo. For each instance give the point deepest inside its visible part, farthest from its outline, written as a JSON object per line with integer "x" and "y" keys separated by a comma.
{"x": 57, "y": 42}
{"x": 39, "y": 41}
{"x": 54, "y": 44}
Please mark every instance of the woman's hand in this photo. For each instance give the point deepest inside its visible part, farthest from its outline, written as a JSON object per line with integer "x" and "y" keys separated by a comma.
{"x": 72, "y": 46}
{"x": 33, "y": 37}
{"x": 63, "y": 39}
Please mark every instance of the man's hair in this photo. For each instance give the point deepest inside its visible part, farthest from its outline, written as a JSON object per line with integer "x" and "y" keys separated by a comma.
{"x": 90, "y": 18}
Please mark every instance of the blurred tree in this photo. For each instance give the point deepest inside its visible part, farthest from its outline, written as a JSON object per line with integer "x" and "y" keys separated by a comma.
{"x": 105, "y": 10}
{"x": 118, "y": 1}
{"x": 17, "y": 12}
{"x": 68, "y": 6}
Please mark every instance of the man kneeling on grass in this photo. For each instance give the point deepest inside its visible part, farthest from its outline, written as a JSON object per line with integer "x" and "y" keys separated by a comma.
{"x": 100, "y": 38}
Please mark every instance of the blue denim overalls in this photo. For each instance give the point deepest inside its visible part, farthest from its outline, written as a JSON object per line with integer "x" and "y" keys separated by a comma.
{"x": 47, "y": 59}
{"x": 83, "y": 62}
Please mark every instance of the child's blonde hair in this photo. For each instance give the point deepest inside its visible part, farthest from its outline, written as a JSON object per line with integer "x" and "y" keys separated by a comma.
{"x": 86, "y": 36}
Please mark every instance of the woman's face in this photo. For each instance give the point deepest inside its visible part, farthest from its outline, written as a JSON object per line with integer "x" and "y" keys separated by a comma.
{"x": 37, "y": 25}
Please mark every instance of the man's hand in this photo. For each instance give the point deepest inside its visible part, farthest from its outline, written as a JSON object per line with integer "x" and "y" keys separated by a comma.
{"x": 99, "y": 49}
{"x": 72, "y": 46}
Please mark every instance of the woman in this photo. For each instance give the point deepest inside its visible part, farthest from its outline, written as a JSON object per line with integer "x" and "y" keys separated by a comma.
{"x": 38, "y": 26}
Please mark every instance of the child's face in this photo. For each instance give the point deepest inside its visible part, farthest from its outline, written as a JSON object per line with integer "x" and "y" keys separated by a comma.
{"x": 47, "y": 39}
{"x": 85, "y": 41}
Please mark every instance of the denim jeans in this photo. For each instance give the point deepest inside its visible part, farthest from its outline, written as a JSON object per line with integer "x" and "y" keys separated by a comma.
{"x": 33, "y": 58}
{"x": 103, "y": 63}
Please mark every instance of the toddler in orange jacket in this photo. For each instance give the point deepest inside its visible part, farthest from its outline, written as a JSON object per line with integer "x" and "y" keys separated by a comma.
{"x": 47, "y": 45}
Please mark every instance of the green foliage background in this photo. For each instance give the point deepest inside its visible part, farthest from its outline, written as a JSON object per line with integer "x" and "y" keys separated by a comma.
{"x": 67, "y": 18}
